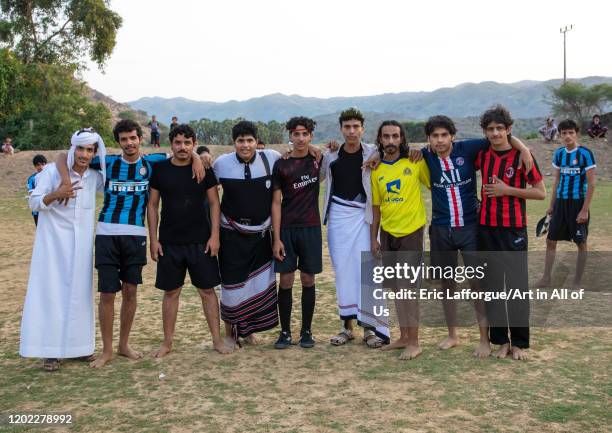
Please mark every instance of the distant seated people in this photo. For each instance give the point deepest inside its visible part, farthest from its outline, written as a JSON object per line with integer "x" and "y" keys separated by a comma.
{"x": 597, "y": 130}
{"x": 549, "y": 131}
{"x": 174, "y": 123}
{"x": 260, "y": 145}
{"x": 155, "y": 134}
{"x": 7, "y": 146}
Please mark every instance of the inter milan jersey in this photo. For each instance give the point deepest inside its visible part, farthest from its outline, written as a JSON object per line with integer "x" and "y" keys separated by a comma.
{"x": 31, "y": 186}
{"x": 453, "y": 184}
{"x": 298, "y": 179}
{"x": 505, "y": 211}
{"x": 573, "y": 166}
{"x": 126, "y": 193}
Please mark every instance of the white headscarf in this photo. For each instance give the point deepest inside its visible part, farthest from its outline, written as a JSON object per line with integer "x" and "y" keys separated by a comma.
{"x": 83, "y": 137}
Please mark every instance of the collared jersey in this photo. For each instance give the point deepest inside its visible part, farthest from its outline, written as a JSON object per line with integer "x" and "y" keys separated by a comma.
{"x": 396, "y": 188}
{"x": 126, "y": 193}
{"x": 454, "y": 201}
{"x": 573, "y": 166}
{"x": 247, "y": 187}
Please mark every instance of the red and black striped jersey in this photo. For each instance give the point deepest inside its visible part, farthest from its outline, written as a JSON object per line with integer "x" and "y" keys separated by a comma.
{"x": 505, "y": 211}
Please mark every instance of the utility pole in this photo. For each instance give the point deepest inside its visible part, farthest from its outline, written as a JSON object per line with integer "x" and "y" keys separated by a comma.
{"x": 564, "y": 30}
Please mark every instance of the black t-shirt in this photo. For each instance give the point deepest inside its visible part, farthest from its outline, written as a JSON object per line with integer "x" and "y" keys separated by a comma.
{"x": 298, "y": 180}
{"x": 184, "y": 203}
{"x": 346, "y": 174}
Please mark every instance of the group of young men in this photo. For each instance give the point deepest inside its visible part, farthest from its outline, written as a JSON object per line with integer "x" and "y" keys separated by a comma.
{"x": 268, "y": 221}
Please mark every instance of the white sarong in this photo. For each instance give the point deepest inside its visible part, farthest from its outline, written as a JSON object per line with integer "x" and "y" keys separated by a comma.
{"x": 348, "y": 234}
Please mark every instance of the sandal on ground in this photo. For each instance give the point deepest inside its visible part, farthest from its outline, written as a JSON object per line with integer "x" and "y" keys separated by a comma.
{"x": 372, "y": 340}
{"x": 51, "y": 364}
{"x": 343, "y": 336}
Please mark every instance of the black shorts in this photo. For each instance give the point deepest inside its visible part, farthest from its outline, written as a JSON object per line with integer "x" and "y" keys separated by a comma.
{"x": 563, "y": 225}
{"x": 303, "y": 250}
{"x": 178, "y": 259}
{"x": 119, "y": 258}
{"x": 445, "y": 242}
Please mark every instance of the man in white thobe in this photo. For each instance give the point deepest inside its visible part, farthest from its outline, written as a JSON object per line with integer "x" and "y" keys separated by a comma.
{"x": 58, "y": 314}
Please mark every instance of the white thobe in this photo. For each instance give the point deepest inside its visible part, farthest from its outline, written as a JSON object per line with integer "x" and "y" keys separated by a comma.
{"x": 58, "y": 314}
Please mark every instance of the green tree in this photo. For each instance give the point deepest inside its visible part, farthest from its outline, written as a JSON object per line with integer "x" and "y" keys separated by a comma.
{"x": 576, "y": 101}
{"x": 59, "y": 31}
{"x": 43, "y": 105}
{"x": 415, "y": 131}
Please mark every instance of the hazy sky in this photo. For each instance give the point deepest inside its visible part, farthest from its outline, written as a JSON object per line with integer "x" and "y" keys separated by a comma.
{"x": 235, "y": 49}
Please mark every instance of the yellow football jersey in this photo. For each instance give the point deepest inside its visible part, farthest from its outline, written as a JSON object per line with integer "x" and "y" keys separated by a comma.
{"x": 396, "y": 188}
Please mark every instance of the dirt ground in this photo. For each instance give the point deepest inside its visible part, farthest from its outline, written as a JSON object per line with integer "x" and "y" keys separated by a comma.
{"x": 564, "y": 387}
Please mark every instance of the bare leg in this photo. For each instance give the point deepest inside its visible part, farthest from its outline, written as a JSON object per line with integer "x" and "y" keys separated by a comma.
{"x": 229, "y": 339}
{"x": 106, "y": 313}
{"x": 210, "y": 305}
{"x": 170, "y": 307}
{"x": 450, "y": 314}
{"x": 484, "y": 346}
{"x": 128, "y": 311}
{"x": 348, "y": 324}
{"x": 580, "y": 263}
{"x": 408, "y": 316}
{"x": 551, "y": 250}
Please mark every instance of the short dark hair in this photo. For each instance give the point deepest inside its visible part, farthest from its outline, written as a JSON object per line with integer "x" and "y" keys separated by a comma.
{"x": 568, "y": 124}
{"x": 39, "y": 159}
{"x": 184, "y": 130}
{"x": 351, "y": 114}
{"x": 596, "y": 115}
{"x": 126, "y": 125}
{"x": 497, "y": 114}
{"x": 201, "y": 149}
{"x": 403, "y": 144}
{"x": 306, "y": 122}
{"x": 244, "y": 127}
{"x": 440, "y": 122}
{"x": 174, "y": 117}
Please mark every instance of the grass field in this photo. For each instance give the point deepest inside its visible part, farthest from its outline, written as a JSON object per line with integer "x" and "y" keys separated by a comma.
{"x": 564, "y": 387}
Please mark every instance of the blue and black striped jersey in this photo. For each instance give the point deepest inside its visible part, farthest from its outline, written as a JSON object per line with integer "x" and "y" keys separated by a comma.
{"x": 126, "y": 190}
{"x": 573, "y": 166}
{"x": 31, "y": 186}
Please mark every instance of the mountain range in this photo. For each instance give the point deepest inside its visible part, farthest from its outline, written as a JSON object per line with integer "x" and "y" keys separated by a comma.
{"x": 525, "y": 99}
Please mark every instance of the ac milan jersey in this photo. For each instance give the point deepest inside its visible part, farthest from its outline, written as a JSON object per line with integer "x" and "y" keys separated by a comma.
{"x": 298, "y": 180}
{"x": 505, "y": 211}
{"x": 453, "y": 184}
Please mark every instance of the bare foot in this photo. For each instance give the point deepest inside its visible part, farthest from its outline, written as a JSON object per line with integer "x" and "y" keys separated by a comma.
{"x": 101, "y": 360}
{"x": 220, "y": 347}
{"x": 129, "y": 353}
{"x": 448, "y": 343}
{"x": 162, "y": 351}
{"x": 543, "y": 282}
{"x": 397, "y": 344}
{"x": 410, "y": 352}
{"x": 502, "y": 352}
{"x": 518, "y": 354}
{"x": 251, "y": 340}
{"x": 483, "y": 350}
{"x": 231, "y": 343}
